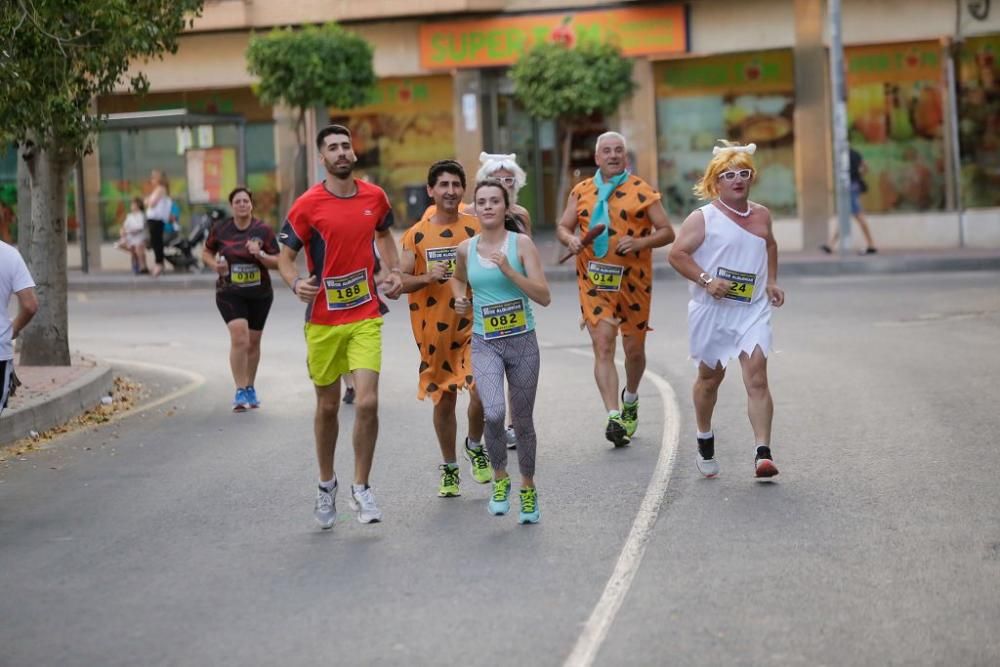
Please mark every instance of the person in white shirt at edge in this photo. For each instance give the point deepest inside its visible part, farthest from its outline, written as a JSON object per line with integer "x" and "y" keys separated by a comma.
{"x": 727, "y": 250}
{"x": 14, "y": 279}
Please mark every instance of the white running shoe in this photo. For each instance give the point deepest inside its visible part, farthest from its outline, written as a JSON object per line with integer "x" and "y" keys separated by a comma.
{"x": 326, "y": 507}
{"x": 363, "y": 502}
{"x": 511, "y": 437}
{"x": 707, "y": 467}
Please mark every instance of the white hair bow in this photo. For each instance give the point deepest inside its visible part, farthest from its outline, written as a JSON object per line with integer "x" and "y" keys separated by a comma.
{"x": 749, "y": 149}
{"x": 485, "y": 157}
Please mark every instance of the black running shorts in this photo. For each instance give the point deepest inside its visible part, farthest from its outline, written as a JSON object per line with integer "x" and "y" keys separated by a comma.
{"x": 252, "y": 309}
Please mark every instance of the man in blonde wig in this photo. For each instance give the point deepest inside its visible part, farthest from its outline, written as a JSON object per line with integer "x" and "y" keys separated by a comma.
{"x": 727, "y": 250}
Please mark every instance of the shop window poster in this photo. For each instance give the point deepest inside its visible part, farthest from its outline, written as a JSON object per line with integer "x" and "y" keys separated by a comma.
{"x": 689, "y": 128}
{"x": 979, "y": 121}
{"x": 895, "y": 111}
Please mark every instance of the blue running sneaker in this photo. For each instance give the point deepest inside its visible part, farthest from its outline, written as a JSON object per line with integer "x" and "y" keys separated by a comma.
{"x": 500, "y": 502}
{"x": 242, "y": 402}
{"x": 252, "y": 397}
{"x": 529, "y": 506}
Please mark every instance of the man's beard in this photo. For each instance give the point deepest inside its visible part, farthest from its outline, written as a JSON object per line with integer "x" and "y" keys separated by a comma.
{"x": 341, "y": 171}
{"x": 450, "y": 207}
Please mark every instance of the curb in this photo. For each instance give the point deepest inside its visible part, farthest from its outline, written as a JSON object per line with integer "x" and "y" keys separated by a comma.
{"x": 56, "y": 408}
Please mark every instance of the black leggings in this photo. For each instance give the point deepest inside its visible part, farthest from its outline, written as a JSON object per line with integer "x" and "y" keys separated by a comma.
{"x": 156, "y": 238}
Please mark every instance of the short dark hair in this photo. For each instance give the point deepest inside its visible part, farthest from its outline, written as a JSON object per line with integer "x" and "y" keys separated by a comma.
{"x": 238, "y": 189}
{"x": 445, "y": 167}
{"x": 327, "y": 131}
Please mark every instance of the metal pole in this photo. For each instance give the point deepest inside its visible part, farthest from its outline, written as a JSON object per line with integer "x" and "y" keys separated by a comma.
{"x": 956, "y": 151}
{"x": 81, "y": 218}
{"x": 841, "y": 156}
{"x": 241, "y": 161}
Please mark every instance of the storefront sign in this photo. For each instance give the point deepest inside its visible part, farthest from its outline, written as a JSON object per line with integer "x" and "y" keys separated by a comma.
{"x": 211, "y": 174}
{"x": 896, "y": 63}
{"x": 406, "y": 95}
{"x": 640, "y": 31}
{"x": 740, "y": 73}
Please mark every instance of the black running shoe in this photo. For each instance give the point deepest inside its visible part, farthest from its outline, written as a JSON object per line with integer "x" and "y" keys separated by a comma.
{"x": 617, "y": 431}
{"x": 763, "y": 465}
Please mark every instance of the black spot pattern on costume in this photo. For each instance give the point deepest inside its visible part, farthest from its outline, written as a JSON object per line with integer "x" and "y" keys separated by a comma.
{"x": 592, "y": 292}
{"x": 414, "y": 306}
{"x": 641, "y": 197}
{"x": 462, "y": 323}
{"x": 645, "y": 233}
{"x": 637, "y": 182}
{"x": 584, "y": 213}
{"x": 598, "y": 310}
{"x": 442, "y": 326}
{"x": 423, "y": 324}
{"x": 636, "y": 307}
{"x": 631, "y": 287}
{"x": 597, "y": 192}
{"x": 447, "y": 367}
{"x": 424, "y": 366}
{"x": 619, "y": 194}
{"x": 628, "y": 270}
{"x": 642, "y": 274}
{"x": 468, "y": 379}
{"x": 431, "y": 349}
{"x": 640, "y": 214}
{"x": 451, "y": 303}
{"x": 631, "y": 232}
{"x": 447, "y": 233}
{"x": 623, "y": 215}
{"x": 641, "y": 325}
{"x": 649, "y": 288}
{"x": 453, "y": 387}
{"x": 470, "y": 231}
{"x": 431, "y": 301}
{"x": 418, "y": 237}
{"x": 431, "y": 388}
{"x": 612, "y": 232}
{"x": 455, "y": 345}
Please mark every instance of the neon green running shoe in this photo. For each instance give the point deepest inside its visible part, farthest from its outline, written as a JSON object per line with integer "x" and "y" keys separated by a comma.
{"x": 449, "y": 481}
{"x": 630, "y": 415}
{"x": 500, "y": 502}
{"x": 480, "y": 463}
{"x": 616, "y": 431}
{"x": 529, "y": 506}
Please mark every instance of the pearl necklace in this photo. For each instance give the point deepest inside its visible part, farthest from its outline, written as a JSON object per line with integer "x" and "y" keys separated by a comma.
{"x": 742, "y": 214}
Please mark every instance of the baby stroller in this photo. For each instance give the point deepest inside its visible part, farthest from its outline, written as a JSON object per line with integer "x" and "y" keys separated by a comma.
{"x": 179, "y": 249}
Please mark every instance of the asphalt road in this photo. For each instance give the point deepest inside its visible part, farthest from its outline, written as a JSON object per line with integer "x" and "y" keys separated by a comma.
{"x": 183, "y": 534}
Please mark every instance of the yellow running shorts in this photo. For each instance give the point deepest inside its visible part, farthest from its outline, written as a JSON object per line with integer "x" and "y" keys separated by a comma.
{"x": 332, "y": 350}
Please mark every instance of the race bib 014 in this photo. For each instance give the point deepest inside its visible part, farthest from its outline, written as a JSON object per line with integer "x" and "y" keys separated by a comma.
{"x": 742, "y": 284}
{"x": 349, "y": 291}
{"x": 504, "y": 319}
{"x": 605, "y": 277}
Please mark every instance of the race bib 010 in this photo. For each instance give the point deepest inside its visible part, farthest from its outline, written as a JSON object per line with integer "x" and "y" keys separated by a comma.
{"x": 244, "y": 275}
{"x": 444, "y": 256}
{"x": 605, "y": 277}
{"x": 349, "y": 291}
{"x": 742, "y": 284}
{"x": 504, "y": 319}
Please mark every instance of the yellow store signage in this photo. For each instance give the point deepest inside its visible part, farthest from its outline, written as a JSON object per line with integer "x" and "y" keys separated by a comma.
{"x": 738, "y": 73}
{"x": 639, "y": 31}
{"x": 893, "y": 63}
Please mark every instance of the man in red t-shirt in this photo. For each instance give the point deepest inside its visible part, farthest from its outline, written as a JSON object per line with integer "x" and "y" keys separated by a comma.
{"x": 336, "y": 221}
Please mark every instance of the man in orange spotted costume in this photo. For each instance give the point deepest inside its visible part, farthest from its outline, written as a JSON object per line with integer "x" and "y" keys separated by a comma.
{"x": 443, "y": 336}
{"x": 615, "y": 273}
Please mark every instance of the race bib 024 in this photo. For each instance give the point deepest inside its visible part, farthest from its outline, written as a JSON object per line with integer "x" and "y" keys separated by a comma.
{"x": 504, "y": 319}
{"x": 348, "y": 291}
{"x": 742, "y": 284}
{"x": 605, "y": 277}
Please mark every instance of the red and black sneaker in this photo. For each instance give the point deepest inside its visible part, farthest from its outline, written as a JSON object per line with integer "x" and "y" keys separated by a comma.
{"x": 763, "y": 464}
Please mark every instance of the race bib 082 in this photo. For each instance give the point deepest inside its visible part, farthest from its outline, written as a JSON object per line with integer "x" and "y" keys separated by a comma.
{"x": 504, "y": 319}
{"x": 349, "y": 291}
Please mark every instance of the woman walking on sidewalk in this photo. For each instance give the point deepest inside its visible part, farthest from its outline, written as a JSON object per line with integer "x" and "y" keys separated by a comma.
{"x": 504, "y": 270}
{"x": 158, "y": 205}
{"x": 241, "y": 249}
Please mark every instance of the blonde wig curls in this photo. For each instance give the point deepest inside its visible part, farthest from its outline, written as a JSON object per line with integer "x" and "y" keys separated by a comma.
{"x": 729, "y": 155}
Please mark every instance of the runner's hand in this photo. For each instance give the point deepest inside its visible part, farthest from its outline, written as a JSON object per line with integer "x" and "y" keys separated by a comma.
{"x": 776, "y": 295}
{"x": 500, "y": 259}
{"x": 437, "y": 272}
{"x": 392, "y": 286}
{"x": 575, "y": 245}
{"x": 626, "y": 245}
{"x": 254, "y": 247}
{"x": 462, "y": 305}
{"x": 307, "y": 289}
{"x": 718, "y": 288}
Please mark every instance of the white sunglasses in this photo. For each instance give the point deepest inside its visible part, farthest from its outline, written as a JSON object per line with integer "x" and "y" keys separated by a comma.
{"x": 744, "y": 174}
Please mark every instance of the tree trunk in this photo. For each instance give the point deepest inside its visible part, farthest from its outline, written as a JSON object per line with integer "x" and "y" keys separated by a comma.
{"x": 46, "y": 340}
{"x": 23, "y": 201}
{"x": 564, "y": 174}
{"x": 301, "y": 167}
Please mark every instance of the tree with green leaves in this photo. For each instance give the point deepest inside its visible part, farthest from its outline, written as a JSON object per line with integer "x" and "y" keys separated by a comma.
{"x": 56, "y": 58}
{"x": 566, "y": 83}
{"x": 316, "y": 66}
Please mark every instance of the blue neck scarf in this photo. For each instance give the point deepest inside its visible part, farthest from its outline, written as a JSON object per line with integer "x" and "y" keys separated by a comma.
{"x": 600, "y": 213}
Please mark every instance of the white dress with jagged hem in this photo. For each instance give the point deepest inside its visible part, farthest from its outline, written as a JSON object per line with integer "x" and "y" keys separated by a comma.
{"x": 720, "y": 330}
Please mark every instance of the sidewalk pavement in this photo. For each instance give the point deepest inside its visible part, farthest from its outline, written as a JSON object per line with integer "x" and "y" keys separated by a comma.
{"x": 53, "y": 395}
{"x": 117, "y": 275}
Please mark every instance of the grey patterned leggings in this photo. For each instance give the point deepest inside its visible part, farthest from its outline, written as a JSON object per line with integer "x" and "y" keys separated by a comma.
{"x": 517, "y": 358}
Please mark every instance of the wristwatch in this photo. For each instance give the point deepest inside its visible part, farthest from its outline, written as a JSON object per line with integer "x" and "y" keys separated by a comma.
{"x": 705, "y": 279}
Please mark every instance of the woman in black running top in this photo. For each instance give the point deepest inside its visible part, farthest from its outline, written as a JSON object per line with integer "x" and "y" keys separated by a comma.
{"x": 241, "y": 249}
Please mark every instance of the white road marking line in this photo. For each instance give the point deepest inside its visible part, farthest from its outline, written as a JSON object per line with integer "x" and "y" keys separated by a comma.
{"x": 595, "y": 630}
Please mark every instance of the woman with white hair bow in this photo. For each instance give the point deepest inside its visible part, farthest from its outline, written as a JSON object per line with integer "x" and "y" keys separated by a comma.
{"x": 505, "y": 169}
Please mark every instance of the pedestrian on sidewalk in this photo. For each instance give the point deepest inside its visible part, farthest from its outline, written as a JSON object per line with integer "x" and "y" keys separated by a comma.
{"x": 242, "y": 249}
{"x": 132, "y": 237}
{"x": 503, "y": 268}
{"x": 615, "y": 274}
{"x": 158, "y": 206}
{"x": 339, "y": 219}
{"x": 727, "y": 250}
{"x": 14, "y": 280}
{"x": 858, "y": 169}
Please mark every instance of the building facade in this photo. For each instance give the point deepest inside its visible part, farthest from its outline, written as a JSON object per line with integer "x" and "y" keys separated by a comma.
{"x": 923, "y": 99}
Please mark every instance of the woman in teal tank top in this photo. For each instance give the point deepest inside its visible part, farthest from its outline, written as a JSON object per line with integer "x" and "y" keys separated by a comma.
{"x": 505, "y": 273}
